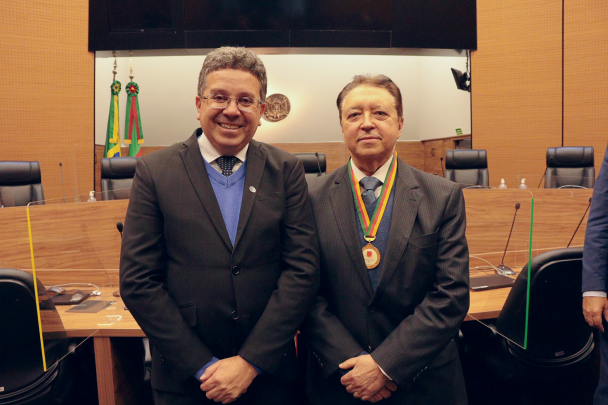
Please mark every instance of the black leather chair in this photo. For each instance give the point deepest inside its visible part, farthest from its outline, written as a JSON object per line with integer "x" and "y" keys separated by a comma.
{"x": 315, "y": 164}
{"x": 467, "y": 167}
{"x": 117, "y": 177}
{"x": 570, "y": 167}
{"x": 559, "y": 341}
{"x": 22, "y": 376}
{"x": 20, "y": 184}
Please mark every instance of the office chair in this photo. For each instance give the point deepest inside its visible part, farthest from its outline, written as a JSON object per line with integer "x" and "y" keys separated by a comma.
{"x": 467, "y": 167}
{"x": 22, "y": 378}
{"x": 560, "y": 342}
{"x": 117, "y": 177}
{"x": 315, "y": 164}
{"x": 20, "y": 184}
{"x": 570, "y": 167}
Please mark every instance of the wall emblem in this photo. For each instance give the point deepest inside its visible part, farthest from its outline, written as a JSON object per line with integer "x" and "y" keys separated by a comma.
{"x": 277, "y": 108}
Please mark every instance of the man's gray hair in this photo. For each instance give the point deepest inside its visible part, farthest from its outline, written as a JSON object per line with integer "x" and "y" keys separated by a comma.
{"x": 228, "y": 57}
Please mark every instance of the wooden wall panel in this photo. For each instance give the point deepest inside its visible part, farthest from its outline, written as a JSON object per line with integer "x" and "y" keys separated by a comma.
{"x": 586, "y": 75}
{"x": 517, "y": 86}
{"x": 47, "y": 91}
{"x": 433, "y": 151}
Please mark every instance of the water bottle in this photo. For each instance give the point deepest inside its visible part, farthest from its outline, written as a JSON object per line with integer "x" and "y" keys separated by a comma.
{"x": 523, "y": 186}
{"x": 502, "y": 186}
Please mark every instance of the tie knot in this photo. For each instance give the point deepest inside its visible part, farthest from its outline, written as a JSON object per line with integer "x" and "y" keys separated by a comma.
{"x": 226, "y": 163}
{"x": 370, "y": 183}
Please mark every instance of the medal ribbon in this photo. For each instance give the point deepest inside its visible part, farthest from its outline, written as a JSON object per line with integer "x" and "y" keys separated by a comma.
{"x": 370, "y": 228}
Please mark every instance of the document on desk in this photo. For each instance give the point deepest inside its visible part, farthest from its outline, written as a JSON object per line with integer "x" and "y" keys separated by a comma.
{"x": 91, "y": 306}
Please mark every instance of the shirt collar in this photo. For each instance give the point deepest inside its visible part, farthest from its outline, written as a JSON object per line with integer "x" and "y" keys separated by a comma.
{"x": 210, "y": 153}
{"x": 380, "y": 174}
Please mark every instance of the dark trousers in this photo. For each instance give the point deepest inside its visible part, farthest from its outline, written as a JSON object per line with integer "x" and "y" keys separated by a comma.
{"x": 259, "y": 393}
{"x": 601, "y": 394}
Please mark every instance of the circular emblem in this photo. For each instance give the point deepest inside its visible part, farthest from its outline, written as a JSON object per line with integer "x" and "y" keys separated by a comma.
{"x": 252, "y": 189}
{"x": 277, "y": 108}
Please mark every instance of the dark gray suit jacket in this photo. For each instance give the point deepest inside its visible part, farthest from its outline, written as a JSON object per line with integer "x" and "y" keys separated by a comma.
{"x": 193, "y": 293}
{"x": 423, "y": 295}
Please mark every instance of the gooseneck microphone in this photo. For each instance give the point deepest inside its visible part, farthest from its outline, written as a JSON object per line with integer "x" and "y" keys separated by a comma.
{"x": 119, "y": 226}
{"x": 62, "y": 183}
{"x": 442, "y": 171}
{"x": 502, "y": 269}
{"x": 319, "y": 164}
{"x": 545, "y": 173}
{"x": 579, "y": 224}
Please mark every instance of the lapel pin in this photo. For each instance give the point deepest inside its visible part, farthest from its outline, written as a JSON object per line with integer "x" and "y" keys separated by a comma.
{"x": 252, "y": 189}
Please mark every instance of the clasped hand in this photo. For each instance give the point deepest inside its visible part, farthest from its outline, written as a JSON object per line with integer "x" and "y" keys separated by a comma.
{"x": 227, "y": 379}
{"x": 365, "y": 380}
{"x": 594, "y": 309}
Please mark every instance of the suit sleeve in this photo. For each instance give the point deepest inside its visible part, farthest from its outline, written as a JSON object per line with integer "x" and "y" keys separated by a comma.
{"x": 595, "y": 252}
{"x": 297, "y": 284}
{"x": 142, "y": 274}
{"x": 328, "y": 338}
{"x": 420, "y": 337}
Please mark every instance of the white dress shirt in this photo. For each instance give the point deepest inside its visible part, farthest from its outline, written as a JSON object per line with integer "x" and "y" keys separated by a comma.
{"x": 210, "y": 154}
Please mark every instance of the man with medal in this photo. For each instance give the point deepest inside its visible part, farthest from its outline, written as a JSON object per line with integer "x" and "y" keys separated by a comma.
{"x": 394, "y": 267}
{"x": 219, "y": 260}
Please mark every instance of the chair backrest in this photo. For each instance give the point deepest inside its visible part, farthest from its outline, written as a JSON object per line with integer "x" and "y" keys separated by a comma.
{"x": 557, "y": 331}
{"x": 315, "y": 164}
{"x": 117, "y": 177}
{"x": 467, "y": 167}
{"x": 570, "y": 166}
{"x": 20, "y": 349}
{"x": 20, "y": 184}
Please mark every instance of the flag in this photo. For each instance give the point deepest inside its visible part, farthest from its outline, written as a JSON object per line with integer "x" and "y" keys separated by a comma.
{"x": 133, "y": 132}
{"x": 113, "y": 131}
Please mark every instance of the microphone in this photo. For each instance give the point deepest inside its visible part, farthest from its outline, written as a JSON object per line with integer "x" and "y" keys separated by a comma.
{"x": 119, "y": 226}
{"x": 541, "y": 179}
{"x": 579, "y": 224}
{"x": 62, "y": 183}
{"x": 442, "y": 171}
{"x": 319, "y": 164}
{"x": 502, "y": 269}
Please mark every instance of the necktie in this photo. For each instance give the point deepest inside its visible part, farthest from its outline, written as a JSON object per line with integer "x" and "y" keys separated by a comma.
{"x": 226, "y": 163}
{"x": 369, "y": 184}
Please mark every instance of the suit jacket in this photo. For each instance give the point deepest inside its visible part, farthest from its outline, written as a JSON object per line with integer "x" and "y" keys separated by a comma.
{"x": 192, "y": 292}
{"x": 408, "y": 323}
{"x": 595, "y": 252}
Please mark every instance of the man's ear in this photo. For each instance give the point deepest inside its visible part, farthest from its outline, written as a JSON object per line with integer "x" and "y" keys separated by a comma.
{"x": 401, "y": 121}
{"x": 262, "y": 109}
{"x": 198, "y": 107}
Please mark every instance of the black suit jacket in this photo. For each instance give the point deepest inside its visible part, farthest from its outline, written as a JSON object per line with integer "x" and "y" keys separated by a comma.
{"x": 409, "y": 322}
{"x": 192, "y": 292}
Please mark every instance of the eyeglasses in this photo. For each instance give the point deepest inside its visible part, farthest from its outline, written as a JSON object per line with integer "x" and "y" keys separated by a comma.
{"x": 243, "y": 103}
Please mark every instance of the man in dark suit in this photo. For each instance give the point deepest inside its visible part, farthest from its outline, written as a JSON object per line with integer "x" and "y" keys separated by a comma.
{"x": 595, "y": 273}
{"x": 219, "y": 260}
{"x": 394, "y": 267}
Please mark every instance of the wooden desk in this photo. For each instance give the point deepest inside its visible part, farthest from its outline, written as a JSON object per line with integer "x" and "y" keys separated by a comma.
{"x": 116, "y": 385}
{"x": 79, "y": 242}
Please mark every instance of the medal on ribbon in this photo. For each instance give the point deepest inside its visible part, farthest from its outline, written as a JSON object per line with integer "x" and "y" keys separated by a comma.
{"x": 371, "y": 255}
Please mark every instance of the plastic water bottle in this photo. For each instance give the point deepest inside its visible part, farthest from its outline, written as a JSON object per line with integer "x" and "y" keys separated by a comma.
{"x": 502, "y": 186}
{"x": 91, "y": 197}
{"x": 523, "y": 186}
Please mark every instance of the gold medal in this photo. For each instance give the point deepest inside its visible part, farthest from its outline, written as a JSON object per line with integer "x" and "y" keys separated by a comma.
{"x": 371, "y": 255}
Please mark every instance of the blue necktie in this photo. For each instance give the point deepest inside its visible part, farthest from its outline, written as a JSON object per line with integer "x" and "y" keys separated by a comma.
{"x": 369, "y": 184}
